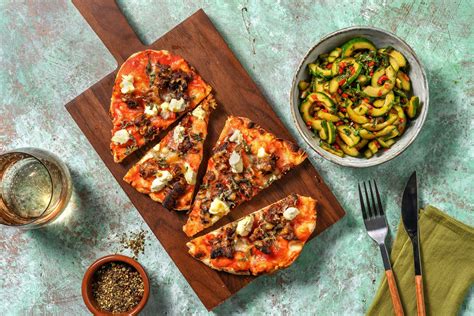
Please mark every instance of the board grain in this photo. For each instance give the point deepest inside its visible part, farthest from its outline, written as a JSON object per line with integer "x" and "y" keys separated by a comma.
{"x": 197, "y": 40}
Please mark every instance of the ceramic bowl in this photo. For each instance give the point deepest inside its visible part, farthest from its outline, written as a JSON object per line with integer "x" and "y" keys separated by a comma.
{"x": 380, "y": 38}
{"x": 87, "y": 284}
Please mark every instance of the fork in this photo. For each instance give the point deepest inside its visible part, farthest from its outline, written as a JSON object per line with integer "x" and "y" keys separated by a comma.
{"x": 377, "y": 228}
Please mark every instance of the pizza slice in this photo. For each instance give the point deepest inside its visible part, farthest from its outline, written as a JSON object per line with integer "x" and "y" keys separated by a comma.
{"x": 262, "y": 242}
{"x": 167, "y": 173}
{"x": 151, "y": 91}
{"x": 245, "y": 160}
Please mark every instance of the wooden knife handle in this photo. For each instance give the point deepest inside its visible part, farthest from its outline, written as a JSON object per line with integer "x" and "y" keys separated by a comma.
{"x": 392, "y": 285}
{"x": 420, "y": 300}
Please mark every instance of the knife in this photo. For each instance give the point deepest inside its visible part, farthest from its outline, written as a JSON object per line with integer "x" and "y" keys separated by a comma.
{"x": 410, "y": 222}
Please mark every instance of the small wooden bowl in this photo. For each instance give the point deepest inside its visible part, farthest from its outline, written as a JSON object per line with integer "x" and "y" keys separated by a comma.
{"x": 87, "y": 284}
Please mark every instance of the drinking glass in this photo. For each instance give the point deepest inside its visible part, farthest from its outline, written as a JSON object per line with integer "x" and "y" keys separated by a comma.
{"x": 35, "y": 187}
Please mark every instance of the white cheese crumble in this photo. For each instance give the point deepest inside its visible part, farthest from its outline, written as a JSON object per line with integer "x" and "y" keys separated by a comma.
{"x": 189, "y": 174}
{"x": 199, "y": 113}
{"x": 178, "y": 134}
{"x": 126, "y": 86}
{"x": 218, "y": 207}
{"x": 151, "y": 109}
{"x": 236, "y": 137}
{"x": 261, "y": 152}
{"x": 162, "y": 178}
{"x": 236, "y": 162}
{"x": 290, "y": 213}
{"x": 121, "y": 137}
{"x": 165, "y": 110}
{"x": 177, "y": 105}
{"x": 244, "y": 226}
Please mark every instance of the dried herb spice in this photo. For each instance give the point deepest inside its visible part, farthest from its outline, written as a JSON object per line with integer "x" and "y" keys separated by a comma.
{"x": 135, "y": 242}
{"x": 117, "y": 287}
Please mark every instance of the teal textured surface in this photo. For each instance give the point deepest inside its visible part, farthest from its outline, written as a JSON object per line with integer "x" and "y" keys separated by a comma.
{"x": 49, "y": 55}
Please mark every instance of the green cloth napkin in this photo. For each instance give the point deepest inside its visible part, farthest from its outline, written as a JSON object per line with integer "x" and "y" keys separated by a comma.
{"x": 447, "y": 261}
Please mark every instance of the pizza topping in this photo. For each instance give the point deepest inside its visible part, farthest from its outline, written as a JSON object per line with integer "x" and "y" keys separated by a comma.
{"x": 148, "y": 168}
{"x": 261, "y": 152}
{"x": 267, "y": 163}
{"x": 178, "y": 189}
{"x": 163, "y": 177}
{"x": 151, "y": 109}
{"x": 236, "y": 162}
{"x": 189, "y": 174}
{"x": 126, "y": 86}
{"x": 177, "y": 105}
{"x": 121, "y": 137}
{"x": 218, "y": 207}
{"x": 236, "y": 137}
{"x": 290, "y": 213}
{"x": 223, "y": 245}
{"x": 165, "y": 110}
{"x": 199, "y": 113}
{"x": 244, "y": 226}
{"x": 132, "y": 104}
{"x": 178, "y": 134}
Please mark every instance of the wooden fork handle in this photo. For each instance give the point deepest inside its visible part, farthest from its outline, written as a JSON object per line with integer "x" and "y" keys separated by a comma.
{"x": 392, "y": 285}
{"x": 420, "y": 300}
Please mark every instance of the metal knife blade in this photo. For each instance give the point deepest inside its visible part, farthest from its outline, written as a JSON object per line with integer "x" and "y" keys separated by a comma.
{"x": 410, "y": 218}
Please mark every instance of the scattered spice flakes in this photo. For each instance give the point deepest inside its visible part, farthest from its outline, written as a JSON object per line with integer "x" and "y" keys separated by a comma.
{"x": 117, "y": 287}
{"x": 135, "y": 242}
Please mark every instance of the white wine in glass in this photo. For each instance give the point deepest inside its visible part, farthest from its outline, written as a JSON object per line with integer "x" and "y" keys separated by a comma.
{"x": 35, "y": 187}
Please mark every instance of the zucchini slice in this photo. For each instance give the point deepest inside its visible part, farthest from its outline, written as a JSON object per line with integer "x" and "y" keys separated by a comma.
{"x": 398, "y": 58}
{"x": 323, "y": 99}
{"x": 328, "y": 116}
{"x": 368, "y": 154}
{"x": 377, "y": 127}
{"x": 405, "y": 80}
{"x": 361, "y": 144}
{"x": 385, "y": 108}
{"x": 317, "y": 71}
{"x": 307, "y": 117}
{"x": 348, "y": 135}
{"x": 412, "y": 107}
{"x": 330, "y": 131}
{"x": 374, "y": 146}
{"x": 372, "y": 91}
{"x": 375, "y": 78}
{"x": 401, "y": 123}
{"x": 331, "y": 149}
{"x": 303, "y": 85}
{"x": 357, "y": 43}
{"x": 365, "y": 134}
{"x": 386, "y": 143}
{"x": 386, "y": 131}
{"x": 351, "y": 151}
{"x": 379, "y": 103}
{"x": 356, "y": 117}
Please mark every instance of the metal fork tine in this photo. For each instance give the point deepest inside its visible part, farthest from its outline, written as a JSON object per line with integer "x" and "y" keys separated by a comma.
{"x": 379, "y": 202}
{"x": 362, "y": 206}
{"x": 376, "y": 212}
{"x": 368, "y": 201}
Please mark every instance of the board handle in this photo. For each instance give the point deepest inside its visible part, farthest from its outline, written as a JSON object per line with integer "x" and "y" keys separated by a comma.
{"x": 392, "y": 285}
{"x": 108, "y": 21}
{"x": 420, "y": 299}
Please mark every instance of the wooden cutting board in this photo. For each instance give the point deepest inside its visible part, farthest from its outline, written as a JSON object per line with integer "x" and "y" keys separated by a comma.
{"x": 197, "y": 40}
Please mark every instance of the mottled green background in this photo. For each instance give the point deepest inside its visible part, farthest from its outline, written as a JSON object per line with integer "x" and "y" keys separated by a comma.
{"x": 49, "y": 55}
